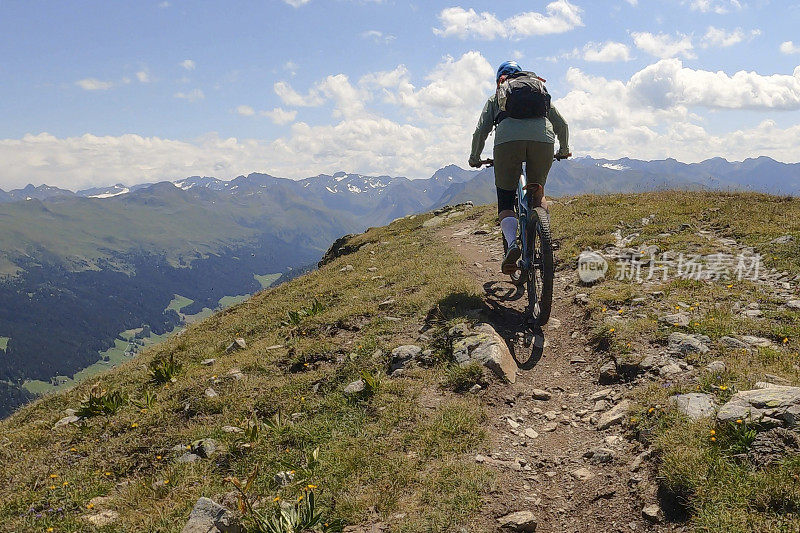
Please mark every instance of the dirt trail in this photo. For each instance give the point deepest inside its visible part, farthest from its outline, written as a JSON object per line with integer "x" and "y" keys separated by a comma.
{"x": 539, "y": 446}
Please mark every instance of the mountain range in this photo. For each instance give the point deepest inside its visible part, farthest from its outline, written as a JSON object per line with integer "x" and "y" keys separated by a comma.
{"x": 78, "y": 268}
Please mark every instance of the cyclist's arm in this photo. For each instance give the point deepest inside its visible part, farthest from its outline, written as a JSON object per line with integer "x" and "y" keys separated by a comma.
{"x": 560, "y": 128}
{"x": 482, "y": 130}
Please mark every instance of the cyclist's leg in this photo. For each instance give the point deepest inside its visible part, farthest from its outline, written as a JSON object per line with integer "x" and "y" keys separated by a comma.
{"x": 508, "y": 158}
{"x": 538, "y": 160}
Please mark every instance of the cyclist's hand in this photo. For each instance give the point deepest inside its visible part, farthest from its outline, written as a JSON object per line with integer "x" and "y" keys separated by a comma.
{"x": 475, "y": 161}
{"x": 563, "y": 154}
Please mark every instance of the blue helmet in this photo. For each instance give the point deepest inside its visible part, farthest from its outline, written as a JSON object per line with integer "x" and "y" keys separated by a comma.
{"x": 508, "y": 67}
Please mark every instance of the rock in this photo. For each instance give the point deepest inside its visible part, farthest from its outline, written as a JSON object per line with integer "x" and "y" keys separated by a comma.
{"x": 210, "y": 393}
{"x": 695, "y": 405}
{"x": 716, "y": 367}
{"x": 372, "y": 269}
{"x": 232, "y": 429}
{"x": 386, "y": 303}
{"x": 670, "y": 369}
{"x": 636, "y": 464}
{"x": 773, "y": 446}
{"x": 759, "y": 342}
{"x": 210, "y": 517}
{"x": 539, "y": 394}
{"x": 685, "y": 344}
{"x": 346, "y": 268}
{"x": 237, "y": 344}
{"x": 774, "y": 406}
{"x": 284, "y": 478}
{"x": 205, "y": 448}
{"x": 235, "y": 373}
{"x": 531, "y": 434}
{"x": 188, "y": 457}
{"x": 208, "y": 362}
{"x": 614, "y": 416}
{"x": 553, "y": 323}
{"x": 600, "y": 395}
{"x": 783, "y": 239}
{"x": 608, "y": 373}
{"x": 793, "y": 304}
{"x": 734, "y": 343}
{"x": 67, "y": 420}
{"x": 513, "y": 423}
{"x": 519, "y": 521}
{"x": 475, "y": 389}
{"x": 582, "y": 474}
{"x": 652, "y": 512}
{"x": 341, "y": 246}
{"x": 582, "y": 299}
{"x": 753, "y": 313}
{"x": 102, "y": 518}
{"x": 550, "y": 427}
{"x": 599, "y": 456}
{"x": 356, "y": 387}
{"x": 676, "y": 319}
{"x": 485, "y": 346}
{"x": 650, "y": 361}
{"x": 402, "y": 355}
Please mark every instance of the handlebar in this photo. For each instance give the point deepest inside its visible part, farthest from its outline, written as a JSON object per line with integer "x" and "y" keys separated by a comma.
{"x": 556, "y": 157}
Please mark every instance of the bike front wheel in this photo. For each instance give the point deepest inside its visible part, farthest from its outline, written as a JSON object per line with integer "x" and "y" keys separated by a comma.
{"x": 540, "y": 278}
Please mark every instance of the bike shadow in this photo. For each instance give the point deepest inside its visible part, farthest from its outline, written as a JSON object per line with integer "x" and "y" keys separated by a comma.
{"x": 508, "y": 322}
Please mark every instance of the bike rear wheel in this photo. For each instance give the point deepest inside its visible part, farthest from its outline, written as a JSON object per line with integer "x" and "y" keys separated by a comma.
{"x": 540, "y": 278}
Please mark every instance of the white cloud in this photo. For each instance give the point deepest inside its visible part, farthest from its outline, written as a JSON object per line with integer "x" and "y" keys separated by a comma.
{"x": 164, "y": 5}
{"x": 280, "y": 116}
{"x": 652, "y": 114}
{"x": 716, "y": 6}
{"x": 292, "y": 98}
{"x": 789, "y": 47}
{"x": 663, "y": 45}
{"x": 297, "y": 3}
{"x": 716, "y": 37}
{"x": 378, "y": 36}
{"x": 192, "y": 96}
{"x": 606, "y": 52}
{"x": 93, "y": 84}
{"x": 188, "y": 64}
{"x": 143, "y": 76}
{"x": 561, "y": 17}
{"x": 245, "y": 110}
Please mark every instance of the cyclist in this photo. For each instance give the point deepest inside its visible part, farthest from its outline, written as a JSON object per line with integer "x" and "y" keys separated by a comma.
{"x": 516, "y": 141}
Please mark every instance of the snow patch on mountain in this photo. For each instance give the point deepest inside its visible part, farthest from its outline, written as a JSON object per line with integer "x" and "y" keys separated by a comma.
{"x": 126, "y": 190}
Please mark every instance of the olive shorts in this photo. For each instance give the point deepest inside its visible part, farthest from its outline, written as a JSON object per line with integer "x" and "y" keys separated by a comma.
{"x": 508, "y": 159}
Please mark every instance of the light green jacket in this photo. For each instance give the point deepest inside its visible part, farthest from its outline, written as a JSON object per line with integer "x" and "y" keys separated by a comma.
{"x": 512, "y": 129}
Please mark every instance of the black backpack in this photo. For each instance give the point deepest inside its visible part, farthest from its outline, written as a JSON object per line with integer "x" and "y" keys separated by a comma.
{"x": 522, "y": 95}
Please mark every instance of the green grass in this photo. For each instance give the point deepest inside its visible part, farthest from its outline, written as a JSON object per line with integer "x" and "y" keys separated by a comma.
{"x": 178, "y": 303}
{"x": 383, "y": 454}
{"x": 720, "y": 491}
{"x": 4, "y": 342}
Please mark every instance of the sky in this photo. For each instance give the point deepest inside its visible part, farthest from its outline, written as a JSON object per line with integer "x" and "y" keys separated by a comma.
{"x": 97, "y": 92}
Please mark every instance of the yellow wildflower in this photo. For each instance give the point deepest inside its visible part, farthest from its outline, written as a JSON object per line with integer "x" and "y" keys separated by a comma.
{"x": 713, "y": 439}
{"x": 52, "y": 487}
{"x": 713, "y": 432}
{"x": 276, "y": 499}
{"x": 312, "y": 487}
{"x": 89, "y": 505}
{"x": 739, "y": 421}
{"x": 134, "y": 425}
{"x": 65, "y": 483}
{"x": 53, "y": 476}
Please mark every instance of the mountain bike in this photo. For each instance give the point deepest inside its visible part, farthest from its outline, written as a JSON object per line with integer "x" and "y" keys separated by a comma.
{"x": 535, "y": 270}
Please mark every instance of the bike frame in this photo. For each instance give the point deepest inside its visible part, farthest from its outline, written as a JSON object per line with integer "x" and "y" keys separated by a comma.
{"x": 524, "y": 218}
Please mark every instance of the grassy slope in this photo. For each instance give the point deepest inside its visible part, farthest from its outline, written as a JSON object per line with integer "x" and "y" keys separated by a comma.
{"x": 722, "y": 493}
{"x": 402, "y": 450}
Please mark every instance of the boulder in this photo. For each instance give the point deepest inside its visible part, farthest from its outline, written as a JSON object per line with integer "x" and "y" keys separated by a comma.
{"x": 539, "y": 394}
{"x": 67, "y": 420}
{"x": 614, "y": 416}
{"x": 695, "y": 405}
{"x": 676, "y": 319}
{"x": 716, "y": 367}
{"x": 684, "y": 344}
{"x": 769, "y": 407}
{"x": 355, "y": 387}
{"x": 773, "y": 446}
{"x": 484, "y": 345}
{"x": 519, "y": 521}
{"x": 237, "y": 344}
{"x": 734, "y": 343}
{"x": 793, "y": 304}
{"x": 608, "y": 372}
{"x": 210, "y": 517}
{"x": 759, "y": 342}
{"x": 783, "y": 239}
{"x": 205, "y": 448}
{"x": 402, "y": 355}
{"x": 102, "y": 518}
